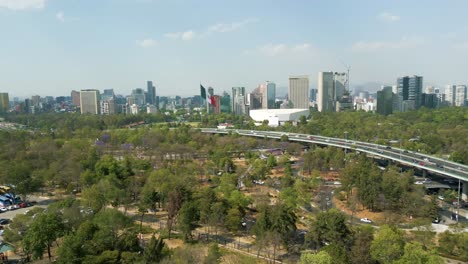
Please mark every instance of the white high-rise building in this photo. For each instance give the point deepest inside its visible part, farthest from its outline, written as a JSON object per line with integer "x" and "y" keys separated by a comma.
{"x": 89, "y": 102}
{"x": 298, "y": 91}
{"x": 238, "y": 100}
{"x": 460, "y": 95}
{"x": 340, "y": 85}
{"x": 325, "y": 93}
{"x": 456, "y": 95}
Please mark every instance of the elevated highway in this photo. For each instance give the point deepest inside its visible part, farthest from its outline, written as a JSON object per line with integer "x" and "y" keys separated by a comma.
{"x": 421, "y": 161}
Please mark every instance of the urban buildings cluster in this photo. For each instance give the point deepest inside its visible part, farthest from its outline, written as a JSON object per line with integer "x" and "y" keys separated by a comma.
{"x": 333, "y": 94}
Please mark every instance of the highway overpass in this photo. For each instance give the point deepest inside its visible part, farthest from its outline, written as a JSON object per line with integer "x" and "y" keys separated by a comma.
{"x": 409, "y": 158}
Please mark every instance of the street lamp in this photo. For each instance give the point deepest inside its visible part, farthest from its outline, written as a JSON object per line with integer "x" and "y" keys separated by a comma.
{"x": 346, "y": 144}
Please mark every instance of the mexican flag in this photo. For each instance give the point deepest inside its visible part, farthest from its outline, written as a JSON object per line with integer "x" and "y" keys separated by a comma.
{"x": 210, "y": 100}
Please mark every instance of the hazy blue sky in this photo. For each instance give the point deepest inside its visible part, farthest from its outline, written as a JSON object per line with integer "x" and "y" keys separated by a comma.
{"x": 49, "y": 47}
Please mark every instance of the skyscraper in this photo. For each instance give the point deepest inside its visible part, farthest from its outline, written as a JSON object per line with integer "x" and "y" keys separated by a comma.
{"x": 456, "y": 95}
{"x": 138, "y": 96}
{"x": 298, "y": 91}
{"x": 340, "y": 85}
{"x": 325, "y": 93}
{"x": 151, "y": 91}
{"x": 89, "y": 101}
{"x": 385, "y": 101}
{"x": 75, "y": 95}
{"x": 4, "y": 102}
{"x": 270, "y": 95}
{"x": 410, "y": 88}
{"x": 238, "y": 100}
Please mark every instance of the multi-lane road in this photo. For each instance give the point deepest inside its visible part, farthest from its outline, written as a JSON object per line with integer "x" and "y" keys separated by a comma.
{"x": 409, "y": 158}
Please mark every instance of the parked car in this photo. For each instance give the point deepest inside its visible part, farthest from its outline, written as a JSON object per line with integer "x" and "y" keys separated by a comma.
{"x": 23, "y": 205}
{"x": 436, "y": 220}
{"x": 3, "y": 209}
{"x": 4, "y": 221}
{"x": 366, "y": 220}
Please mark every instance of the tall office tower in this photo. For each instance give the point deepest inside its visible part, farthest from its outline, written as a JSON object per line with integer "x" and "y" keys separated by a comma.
{"x": 340, "y": 85}
{"x": 35, "y": 100}
{"x": 89, "y": 101}
{"x": 108, "y": 94}
{"x": 313, "y": 95}
{"x": 298, "y": 91}
{"x": 254, "y": 100}
{"x": 402, "y": 87}
{"x": 385, "y": 101}
{"x": 270, "y": 95}
{"x": 326, "y": 94}
{"x": 450, "y": 93}
{"x": 226, "y": 103}
{"x": 429, "y": 100}
{"x": 75, "y": 97}
{"x": 139, "y": 96}
{"x": 460, "y": 95}
{"x": 238, "y": 100}
{"x": 151, "y": 92}
{"x": 4, "y": 102}
{"x": 410, "y": 88}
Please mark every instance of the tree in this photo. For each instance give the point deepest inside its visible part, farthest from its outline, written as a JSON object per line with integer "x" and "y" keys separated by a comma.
{"x": 320, "y": 258}
{"x": 414, "y": 254}
{"x": 329, "y": 227}
{"x": 44, "y": 230}
{"x": 155, "y": 251}
{"x": 233, "y": 219}
{"x": 283, "y": 221}
{"x": 271, "y": 161}
{"x": 214, "y": 255}
{"x": 360, "y": 250}
{"x": 388, "y": 245}
{"x": 189, "y": 214}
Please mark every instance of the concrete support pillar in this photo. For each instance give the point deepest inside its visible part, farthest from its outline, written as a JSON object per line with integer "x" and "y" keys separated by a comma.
{"x": 464, "y": 195}
{"x": 424, "y": 173}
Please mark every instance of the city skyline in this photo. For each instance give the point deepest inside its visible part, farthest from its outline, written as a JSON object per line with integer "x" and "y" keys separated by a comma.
{"x": 52, "y": 47}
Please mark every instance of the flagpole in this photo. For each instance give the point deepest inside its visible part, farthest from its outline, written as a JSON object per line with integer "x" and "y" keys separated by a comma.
{"x": 207, "y": 103}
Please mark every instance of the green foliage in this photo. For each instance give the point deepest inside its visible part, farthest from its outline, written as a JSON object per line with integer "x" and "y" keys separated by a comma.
{"x": 360, "y": 249}
{"x": 329, "y": 228}
{"x": 188, "y": 216}
{"x": 233, "y": 219}
{"x": 321, "y": 257}
{"x": 387, "y": 245}
{"x": 44, "y": 230}
{"x": 155, "y": 251}
{"x": 454, "y": 244}
{"x": 415, "y": 254}
{"x": 214, "y": 255}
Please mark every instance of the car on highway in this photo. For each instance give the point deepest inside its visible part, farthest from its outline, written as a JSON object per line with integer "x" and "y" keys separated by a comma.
{"x": 312, "y": 138}
{"x": 422, "y": 163}
{"x": 366, "y": 220}
{"x": 439, "y": 166}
